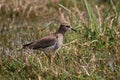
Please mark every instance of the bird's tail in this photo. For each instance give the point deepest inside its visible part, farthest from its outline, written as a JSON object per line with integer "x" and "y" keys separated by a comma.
{"x": 27, "y": 45}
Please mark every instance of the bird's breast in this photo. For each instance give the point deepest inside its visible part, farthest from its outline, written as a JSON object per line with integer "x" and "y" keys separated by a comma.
{"x": 59, "y": 42}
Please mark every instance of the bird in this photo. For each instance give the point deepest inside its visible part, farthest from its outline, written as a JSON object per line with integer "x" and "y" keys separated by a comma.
{"x": 50, "y": 43}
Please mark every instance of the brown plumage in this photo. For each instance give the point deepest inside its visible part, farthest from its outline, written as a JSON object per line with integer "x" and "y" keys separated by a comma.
{"x": 42, "y": 43}
{"x": 50, "y": 43}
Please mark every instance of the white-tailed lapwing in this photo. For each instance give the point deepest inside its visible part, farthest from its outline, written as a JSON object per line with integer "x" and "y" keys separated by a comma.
{"x": 52, "y": 42}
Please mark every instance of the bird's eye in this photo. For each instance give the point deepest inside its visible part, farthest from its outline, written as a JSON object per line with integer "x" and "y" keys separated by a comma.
{"x": 68, "y": 26}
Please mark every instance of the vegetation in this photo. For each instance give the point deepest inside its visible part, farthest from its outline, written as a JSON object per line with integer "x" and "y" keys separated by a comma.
{"x": 90, "y": 54}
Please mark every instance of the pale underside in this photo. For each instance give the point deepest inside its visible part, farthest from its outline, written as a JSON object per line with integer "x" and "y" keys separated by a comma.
{"x": 56, "y": 46}
{"x": 49, "y": 44}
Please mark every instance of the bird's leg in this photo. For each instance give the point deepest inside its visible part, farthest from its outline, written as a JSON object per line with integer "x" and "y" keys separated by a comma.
{"x": 57, "y": 55}
{"x": 52, "y": 59}
{"x": 48, "y": 56}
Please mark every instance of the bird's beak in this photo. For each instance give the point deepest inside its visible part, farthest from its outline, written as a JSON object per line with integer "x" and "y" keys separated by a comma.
{"x": 74, "y": 30}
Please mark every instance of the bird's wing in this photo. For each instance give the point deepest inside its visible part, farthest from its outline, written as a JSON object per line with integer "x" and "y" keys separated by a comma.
{"x": 42, "y": 43}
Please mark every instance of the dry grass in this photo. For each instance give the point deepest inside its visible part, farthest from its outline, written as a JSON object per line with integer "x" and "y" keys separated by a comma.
{"x": 90, "y": 54}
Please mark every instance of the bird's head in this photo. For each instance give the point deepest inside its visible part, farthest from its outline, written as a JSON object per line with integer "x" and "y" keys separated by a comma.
{"x": 65, "y": 27}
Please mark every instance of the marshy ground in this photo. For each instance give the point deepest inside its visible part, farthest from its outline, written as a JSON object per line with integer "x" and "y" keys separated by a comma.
{"x": 90, "y": 54}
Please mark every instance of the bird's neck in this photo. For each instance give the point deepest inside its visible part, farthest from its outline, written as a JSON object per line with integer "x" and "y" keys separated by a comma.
{"x": 61, "y": 32}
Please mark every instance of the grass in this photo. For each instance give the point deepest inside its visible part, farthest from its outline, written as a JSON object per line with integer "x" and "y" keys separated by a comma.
{"x": 90, "y": 54}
